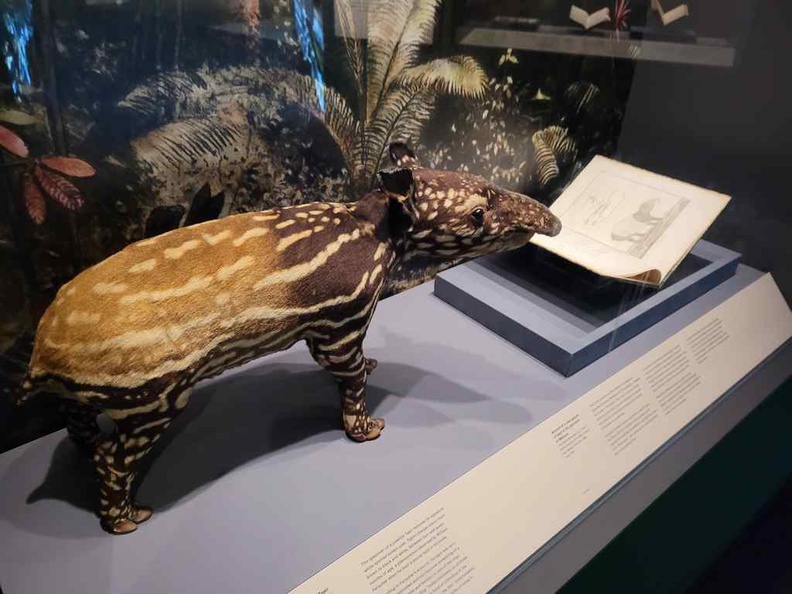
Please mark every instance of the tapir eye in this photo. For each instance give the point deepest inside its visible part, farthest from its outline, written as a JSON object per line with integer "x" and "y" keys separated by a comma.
{"x": 478, "y": 215}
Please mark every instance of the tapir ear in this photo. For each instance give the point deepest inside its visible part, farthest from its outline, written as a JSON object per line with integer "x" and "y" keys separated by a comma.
{"x": 400, "y": 185}
{"x": 397, "y": 180}
{"x": 401, "y": 155}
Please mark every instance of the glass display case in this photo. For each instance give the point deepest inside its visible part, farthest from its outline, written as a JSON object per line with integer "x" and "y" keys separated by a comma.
{"x": 124, "y": 121}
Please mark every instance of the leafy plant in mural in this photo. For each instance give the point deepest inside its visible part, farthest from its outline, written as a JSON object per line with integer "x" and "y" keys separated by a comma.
{"x": 398, "y": 95}
{"x": 235, "y": 128}
{"x": 43, "y": 177}
{"x": 531, "y": 135}
{"x": 492, "y": 135}
{"x": 621, "y": 13}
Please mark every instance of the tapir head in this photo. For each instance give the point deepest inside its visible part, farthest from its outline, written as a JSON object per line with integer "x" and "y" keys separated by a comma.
{"x": 459, "y": 215}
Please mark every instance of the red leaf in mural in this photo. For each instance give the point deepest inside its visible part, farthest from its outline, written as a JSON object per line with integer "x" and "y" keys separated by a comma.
{"x": 59, "y": 188}
{"x": 34, "y": 199}
{"x": 69, "y": 166}
{"x": 12, "y": 143}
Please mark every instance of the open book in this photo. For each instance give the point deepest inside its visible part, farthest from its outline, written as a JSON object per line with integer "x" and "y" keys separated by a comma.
{"x": 628, "y": 223}
{"x": 586, "y": 20}
{"x": 672, "y": 15}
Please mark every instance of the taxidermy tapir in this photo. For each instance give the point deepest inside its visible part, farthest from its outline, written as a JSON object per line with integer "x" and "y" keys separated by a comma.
{"x": 131, "y": 336}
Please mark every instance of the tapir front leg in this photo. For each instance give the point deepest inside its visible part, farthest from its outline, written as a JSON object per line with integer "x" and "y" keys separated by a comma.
{"x": 345, "y": 360}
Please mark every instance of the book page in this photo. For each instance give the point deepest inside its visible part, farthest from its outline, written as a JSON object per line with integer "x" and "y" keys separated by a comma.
{"x": 586, "y": 20}
{"x": 672, "y": 15}
{"x": 625, "y": 222}
{"x": 597, "y": 256}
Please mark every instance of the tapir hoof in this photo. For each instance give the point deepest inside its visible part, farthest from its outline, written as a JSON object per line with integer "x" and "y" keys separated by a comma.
{"x": 375, "y": 428}
{"x": 141, "y": 513}
{"x": 122, "y": 526}
{"x": 371, "y": 365}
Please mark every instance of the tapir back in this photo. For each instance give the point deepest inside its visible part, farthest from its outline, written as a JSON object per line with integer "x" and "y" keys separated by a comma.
{"x": 222, "y": 288}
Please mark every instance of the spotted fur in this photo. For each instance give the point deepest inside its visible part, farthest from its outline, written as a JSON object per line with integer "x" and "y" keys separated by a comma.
{"x": 132, "y": 335}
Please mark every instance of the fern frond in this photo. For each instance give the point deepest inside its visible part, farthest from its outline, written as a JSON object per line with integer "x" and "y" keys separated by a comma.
{"x": 163, "y": 97}
{"x": 196, "y": 144}
{"x": 386, "y": 24}
{"x": 457, "y": 75}
{"x": 418, "y": 29}
{"x": 352, "y": 45}
{"x": 400, "y": 116}
{"x": 337, "y": 117}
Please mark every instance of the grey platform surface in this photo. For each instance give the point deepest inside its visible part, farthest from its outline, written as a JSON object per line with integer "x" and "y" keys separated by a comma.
{"x": 258, "y": 489}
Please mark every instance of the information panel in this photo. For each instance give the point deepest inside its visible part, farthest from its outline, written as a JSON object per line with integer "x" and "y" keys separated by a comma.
{"x": 474, "y": 532}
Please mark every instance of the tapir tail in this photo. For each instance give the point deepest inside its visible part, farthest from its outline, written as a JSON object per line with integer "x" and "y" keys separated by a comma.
{"x": 24, "y": 392}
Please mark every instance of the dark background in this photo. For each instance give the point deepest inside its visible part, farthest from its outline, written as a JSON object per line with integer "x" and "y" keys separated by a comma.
{"x": 728, "y": 129}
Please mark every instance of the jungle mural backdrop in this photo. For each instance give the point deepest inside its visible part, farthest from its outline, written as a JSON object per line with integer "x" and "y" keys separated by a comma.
{"x": 125, "y": 119}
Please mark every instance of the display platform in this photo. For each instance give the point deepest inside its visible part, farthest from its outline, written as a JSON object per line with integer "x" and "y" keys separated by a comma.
{"x": 565, "y": 316}
{"x": 258, "y": 490}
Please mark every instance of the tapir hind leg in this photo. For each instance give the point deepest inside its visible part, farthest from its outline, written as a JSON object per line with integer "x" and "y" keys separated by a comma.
{"x": 81, "y": 423}
{"x": 117, "y": 457}
{"x": 350, "y": 368}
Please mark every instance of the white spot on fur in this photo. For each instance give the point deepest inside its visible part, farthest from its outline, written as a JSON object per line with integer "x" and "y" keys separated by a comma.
{"x": 143, "y": 266}
{"x": 306, "y": 268}
{"x": 293, "y": 238}
{"x": 215, "y": 239}
{"x": 183, "y": 399}
{"x": 196, "y": 283}
{"x": 375, "y": 273}
{"x": 178, "y": 252}
{"x": 227, "y": 272}
{"x": 82, "y": 317}
{"x": 284, "y": 224}
{"x": 222, "y": 298}
{"x": 250, "y": 234}
{"x": 108, "y": 288}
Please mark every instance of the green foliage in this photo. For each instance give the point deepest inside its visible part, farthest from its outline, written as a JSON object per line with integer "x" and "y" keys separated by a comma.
{"x": 398, "y": 96}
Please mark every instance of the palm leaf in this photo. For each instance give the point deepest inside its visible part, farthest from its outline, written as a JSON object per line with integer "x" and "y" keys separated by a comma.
{"x": 399, "y": 116}
{"x": 396, "y": 31}
{"x": 337, "y": 118}
{"x": 189, "y": 144}
{"x": 352, "y": 45}
{"x": 162, "y": 98}
{"x": 418, "y": 29}
{"x": 457, "y": 75}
